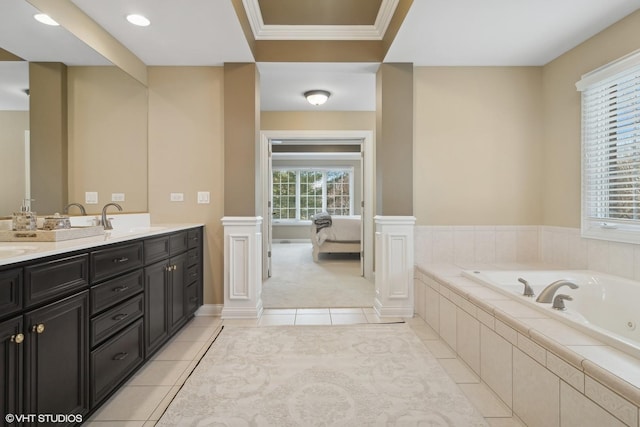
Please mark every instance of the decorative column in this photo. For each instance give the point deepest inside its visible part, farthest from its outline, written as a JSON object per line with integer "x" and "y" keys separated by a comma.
{"x": 242, "y": 267}
{"x": 394, "y": 266}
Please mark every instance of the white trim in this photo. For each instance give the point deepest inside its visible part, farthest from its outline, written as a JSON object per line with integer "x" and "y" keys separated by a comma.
{"x": 210, "y": 310}
{"x": 609, "y": 70}
{"x": 319, "y": 32}
{"x": 316, "y": 156}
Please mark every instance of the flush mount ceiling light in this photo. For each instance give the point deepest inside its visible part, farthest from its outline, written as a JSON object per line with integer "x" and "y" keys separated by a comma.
{"x": 317, "y": 97}
{"x": 45, "y": 19}
{"x": 138, "y": 20}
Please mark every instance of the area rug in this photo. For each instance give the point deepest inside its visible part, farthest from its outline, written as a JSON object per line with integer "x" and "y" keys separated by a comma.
{"x": 299, "y": 282}
{"x": 356, "y": 375}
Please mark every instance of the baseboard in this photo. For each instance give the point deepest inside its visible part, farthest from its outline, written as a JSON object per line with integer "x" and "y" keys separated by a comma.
{"x": 210, "y": 310}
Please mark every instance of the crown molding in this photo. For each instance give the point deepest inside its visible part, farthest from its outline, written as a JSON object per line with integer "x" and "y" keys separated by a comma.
{"x": 319, "y": 32}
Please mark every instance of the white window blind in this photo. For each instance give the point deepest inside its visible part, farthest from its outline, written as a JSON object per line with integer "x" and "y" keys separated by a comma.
{"x": 611, "y": 152}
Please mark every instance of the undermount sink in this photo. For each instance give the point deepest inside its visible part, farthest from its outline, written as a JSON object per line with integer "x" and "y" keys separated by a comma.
{"x": 10, "y": 251}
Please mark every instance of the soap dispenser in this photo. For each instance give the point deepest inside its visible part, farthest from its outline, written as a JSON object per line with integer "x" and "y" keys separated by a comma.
{"x": 25, "y": 220}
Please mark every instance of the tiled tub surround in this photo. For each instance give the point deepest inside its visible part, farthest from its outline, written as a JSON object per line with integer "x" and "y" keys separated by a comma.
{"x": 548, "y": 373}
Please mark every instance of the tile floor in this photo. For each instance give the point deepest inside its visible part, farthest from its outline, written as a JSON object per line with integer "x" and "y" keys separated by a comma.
{"x": 143, "y": 399}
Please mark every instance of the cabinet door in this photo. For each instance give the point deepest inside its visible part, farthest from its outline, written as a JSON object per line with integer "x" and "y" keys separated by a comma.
{"x": 12, "y": 344}
{"x": 156, "y": 297}
{"x": 57, "y": 355}
{"x": 10, "y": 291}
{"x": 178, "y": 290}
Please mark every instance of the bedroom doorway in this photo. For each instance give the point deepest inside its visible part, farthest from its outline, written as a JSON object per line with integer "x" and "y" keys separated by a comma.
{"x": 363, "y": 140}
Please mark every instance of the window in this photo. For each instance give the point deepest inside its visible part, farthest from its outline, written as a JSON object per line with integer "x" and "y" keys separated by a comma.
{"x": 611, "y": 151}
{"x": 298, "y": 194}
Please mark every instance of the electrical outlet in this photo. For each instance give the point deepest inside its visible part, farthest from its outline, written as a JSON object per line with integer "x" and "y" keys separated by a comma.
{"x": 91, "y": 197}
{"x": 177, "y": 197}
{"x": 117, "y": 197}
{"x": 203, "y": 197}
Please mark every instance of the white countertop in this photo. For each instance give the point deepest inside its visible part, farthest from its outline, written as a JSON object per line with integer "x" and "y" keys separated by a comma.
{"x": 14, "y": 252}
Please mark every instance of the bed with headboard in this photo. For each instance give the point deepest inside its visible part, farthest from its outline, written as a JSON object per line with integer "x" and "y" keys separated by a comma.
{"x": 335, "y": 234}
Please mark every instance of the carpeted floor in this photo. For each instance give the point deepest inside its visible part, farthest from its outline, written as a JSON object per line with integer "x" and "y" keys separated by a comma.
{"x": 299, "y": 282}
{"x": 360, "y": 375}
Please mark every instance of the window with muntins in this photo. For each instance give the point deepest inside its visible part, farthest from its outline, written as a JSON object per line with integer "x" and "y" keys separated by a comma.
{"x": 611, "y": 151}
{"x": 298, "y": 194}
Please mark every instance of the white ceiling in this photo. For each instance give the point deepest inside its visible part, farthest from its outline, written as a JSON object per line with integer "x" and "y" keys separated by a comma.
{"x": 435, "y": 32}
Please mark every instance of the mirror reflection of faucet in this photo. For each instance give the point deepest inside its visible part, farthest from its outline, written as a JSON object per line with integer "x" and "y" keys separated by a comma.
{"x": 82, "y": 209}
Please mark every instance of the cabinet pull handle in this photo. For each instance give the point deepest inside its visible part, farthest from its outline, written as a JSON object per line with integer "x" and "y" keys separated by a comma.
{"x": 120, "y": 260}
{"x": 120, "y": 316}
{"x": 168, "y": 268}
{"x": 120, "y": 356}
{"x": 18, "y": 338}
{"x": 39, "y": 328}
{"x": 175, "y": 267}
{"x": 120, "y": 288}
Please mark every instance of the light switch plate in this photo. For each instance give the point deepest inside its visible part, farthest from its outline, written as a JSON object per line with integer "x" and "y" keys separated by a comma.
{"x": 177, "y": 197}
{"x": 91, "y": 197}
{"x": 204, "y": 197}
{"x": 117, "y": 197}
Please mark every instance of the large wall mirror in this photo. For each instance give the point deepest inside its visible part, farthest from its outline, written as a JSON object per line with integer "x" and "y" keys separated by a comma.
{"x": 84, "y": 121}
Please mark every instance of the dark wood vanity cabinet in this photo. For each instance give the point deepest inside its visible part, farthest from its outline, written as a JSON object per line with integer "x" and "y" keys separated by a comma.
{"x": 75, "y": 326}
{"x": 171, "y": 285}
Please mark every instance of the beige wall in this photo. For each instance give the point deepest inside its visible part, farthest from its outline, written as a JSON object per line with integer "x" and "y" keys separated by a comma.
{"x": 477, "y": 145}
{"x": 562, "y": 129}
{"x": 312, "y": 120}
{"x": 186, "y": 154}
{"x": 107, "y": 137}
{"x": 12, "y": 178}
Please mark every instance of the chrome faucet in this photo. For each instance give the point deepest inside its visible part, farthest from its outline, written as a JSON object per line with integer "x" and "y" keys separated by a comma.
{"x": 547, "y": 293}
{"x": 528, "y": 292}
{"x": 82, "y": 210}
{"x": 558, "y": 301}
{"x": 106, "y": 223}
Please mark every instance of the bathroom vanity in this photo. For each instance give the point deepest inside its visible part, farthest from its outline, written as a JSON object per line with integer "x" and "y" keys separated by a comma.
{"x": 77, "y": 319}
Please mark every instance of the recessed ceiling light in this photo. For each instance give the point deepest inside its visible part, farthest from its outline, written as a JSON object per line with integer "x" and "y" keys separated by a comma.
{"x": 45, "y": 19}
{"x": 138, "y": 20}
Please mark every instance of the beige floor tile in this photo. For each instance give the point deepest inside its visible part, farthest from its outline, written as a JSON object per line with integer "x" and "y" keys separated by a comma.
{"x": 132, "y": 403}
{"x": 277, "y": 320}
{"x": 485, "y": 400}
{"x": 312, "y": 311}
{"x": 439, "y": 349}
{"x": 346, "y": 311}
{"x": 179, "y": 350}
{"x": 268, "y": 311}
{"x": 374, "y": 318}
{"x": 459, "y": 371}
{"x": 195, "y": 333}
{"x": 504, "y": 422}
{"x": 369, "y": 310}
{"x": 313, "y": 319}
{"x": 205, "y": 321}
{"x": 150, "y": 424}
{"x": 348, "y": 319}
{"x": 162, "y": 406}
{"x": 159, "y": 373}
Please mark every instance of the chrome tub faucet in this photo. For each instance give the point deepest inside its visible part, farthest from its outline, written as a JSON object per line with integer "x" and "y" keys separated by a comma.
{"x": 547, "y": 293}
{"x": 106, "y": 222}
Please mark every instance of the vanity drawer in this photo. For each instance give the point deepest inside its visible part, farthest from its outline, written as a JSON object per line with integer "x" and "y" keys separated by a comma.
{"x": 178, "y": 242}
{"x": 193, "y": 257}
{"x": 191, "y": 296}
{"x": 115, "y": 359}
{"x": 194, "y": 237}
{"x": 115, "y": 290}
{"x": 193, "y": 274}
{"x": 116, "y": 318}
{"x": 10, "y": 291}
{"x": 109, "y": 262}
{"x": 55, "y": 278}
{"x": 156, "y": 249}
